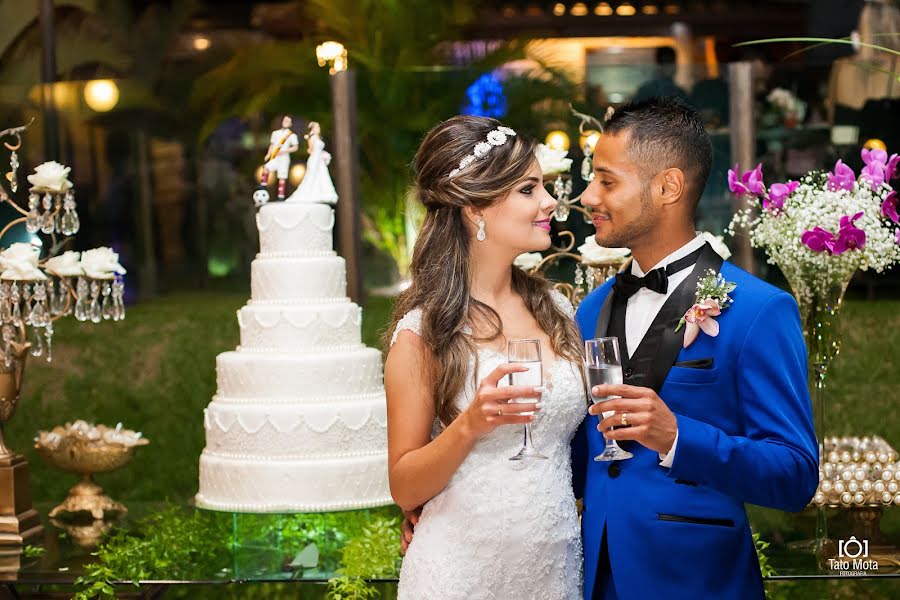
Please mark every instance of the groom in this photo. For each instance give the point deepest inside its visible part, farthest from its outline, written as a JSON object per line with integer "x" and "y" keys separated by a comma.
{"x": 719, "y": 423}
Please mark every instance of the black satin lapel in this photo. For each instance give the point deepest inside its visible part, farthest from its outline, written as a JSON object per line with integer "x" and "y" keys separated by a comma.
{"x": 603, "y": 318}
{"x": 682, "y": 298}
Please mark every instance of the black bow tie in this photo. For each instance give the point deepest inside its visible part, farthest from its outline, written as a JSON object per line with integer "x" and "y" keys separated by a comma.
{"x": 657, "y": 280}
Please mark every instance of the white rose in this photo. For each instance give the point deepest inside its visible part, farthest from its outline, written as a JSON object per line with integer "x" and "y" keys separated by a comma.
{"x": 593, "y": 253}
{"x": 19, "y": 262}
{"x": 65, "y": 265}
{"x": 101, "y": 263}
{"x": 51, "y": 175}
{"x": 718, "y": 244}
{"x": 552, "y": 161}
{"x": 528, "y": 261}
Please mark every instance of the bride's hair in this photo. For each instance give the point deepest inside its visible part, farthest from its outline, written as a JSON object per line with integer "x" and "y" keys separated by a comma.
{"x": 441, "y": 277}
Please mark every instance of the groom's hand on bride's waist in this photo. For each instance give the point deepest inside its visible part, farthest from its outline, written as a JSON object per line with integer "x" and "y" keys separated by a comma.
{"x": 647, "y": 419}
{"x": 410, "y": 518}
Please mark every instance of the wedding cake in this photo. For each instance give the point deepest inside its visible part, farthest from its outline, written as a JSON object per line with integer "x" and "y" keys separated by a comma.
{"x": 298, "y": 423}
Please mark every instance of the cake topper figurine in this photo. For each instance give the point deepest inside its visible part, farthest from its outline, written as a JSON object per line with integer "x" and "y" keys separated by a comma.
{"x": 316, "y": 185}
{"x": 278, "y": 159}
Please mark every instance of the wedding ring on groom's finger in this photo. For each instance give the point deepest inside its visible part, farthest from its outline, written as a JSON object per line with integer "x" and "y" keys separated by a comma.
{"x": 624, "y": 419}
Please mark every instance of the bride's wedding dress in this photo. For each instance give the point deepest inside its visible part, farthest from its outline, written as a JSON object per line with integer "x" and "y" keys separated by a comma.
{"x": 501, "y": 529}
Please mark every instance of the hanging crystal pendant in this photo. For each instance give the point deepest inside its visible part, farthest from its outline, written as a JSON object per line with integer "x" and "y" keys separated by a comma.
{"x": 26, "y": 303}
{"x": 561, "y": 213}
{"x": 94, "y": 311}
{"x": 587, "y": 168}
{"x": 9, "y": 334}
{"x": 579, "y": 276}
{"x": 66, "y": 291}
{"x": 48, "y": 333}
{"x": 5, "y": 308}
{"x": 14, "y": 299}
{"x": 118, "y": 291}
{"x": 590, "y": 278}
{"x": 107, "y": 307}
{"x": 54, "y": 300}
{"x": 33, "y": 218}
{"x": 47, "y": 221}
{"x": 69, "y": 222}
{"x": 81, "y": 302}
{"x": 37, "y": 341}
{"x": 14, "y": 174}
{"x": 38, "y": 316}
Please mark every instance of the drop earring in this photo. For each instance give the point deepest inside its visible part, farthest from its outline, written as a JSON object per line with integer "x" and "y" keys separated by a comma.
{"x": 481, "y": 235}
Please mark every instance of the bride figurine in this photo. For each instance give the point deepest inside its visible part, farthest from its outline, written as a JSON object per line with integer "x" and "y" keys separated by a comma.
{"x": 316, "y": 185}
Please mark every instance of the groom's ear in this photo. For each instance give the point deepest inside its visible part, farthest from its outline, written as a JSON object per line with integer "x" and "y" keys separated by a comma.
{"x": 671, "y": 186}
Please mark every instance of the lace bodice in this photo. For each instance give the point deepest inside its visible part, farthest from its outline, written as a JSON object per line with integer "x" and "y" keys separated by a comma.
{"x": 503, "y": 529}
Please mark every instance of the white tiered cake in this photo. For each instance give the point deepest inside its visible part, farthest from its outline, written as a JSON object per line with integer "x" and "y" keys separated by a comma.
{"x": 298, "y": 423}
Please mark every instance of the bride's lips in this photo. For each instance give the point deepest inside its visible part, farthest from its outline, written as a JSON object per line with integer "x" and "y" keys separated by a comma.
{"x": 544, "y": 224}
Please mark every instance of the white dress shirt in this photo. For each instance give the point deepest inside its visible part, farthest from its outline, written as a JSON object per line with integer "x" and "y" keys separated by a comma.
{"x": 645, "y": 304}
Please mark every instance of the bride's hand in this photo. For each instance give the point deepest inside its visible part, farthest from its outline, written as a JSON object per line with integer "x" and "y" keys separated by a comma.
{"x": 491, "y": 407}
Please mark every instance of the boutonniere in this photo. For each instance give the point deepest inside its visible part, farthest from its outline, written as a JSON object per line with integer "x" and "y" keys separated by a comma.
{"x": 711, "y": 299}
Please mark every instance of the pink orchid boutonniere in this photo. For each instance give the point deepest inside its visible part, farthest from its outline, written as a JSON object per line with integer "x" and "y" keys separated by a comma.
{"x": 712, "y": 298}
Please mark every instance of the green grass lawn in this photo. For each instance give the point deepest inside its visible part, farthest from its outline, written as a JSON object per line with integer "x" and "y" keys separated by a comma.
{"x": 155, "y": 372}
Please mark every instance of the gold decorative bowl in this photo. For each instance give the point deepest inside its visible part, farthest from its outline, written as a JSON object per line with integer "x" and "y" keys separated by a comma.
{"x": 87, "y": 449}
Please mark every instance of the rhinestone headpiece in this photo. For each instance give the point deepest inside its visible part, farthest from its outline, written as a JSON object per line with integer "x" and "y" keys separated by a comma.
{"x": 496, "y": 137}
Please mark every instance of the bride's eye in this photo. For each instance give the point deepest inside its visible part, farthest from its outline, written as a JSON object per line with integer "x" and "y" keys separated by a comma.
{"x": 527, "y": 190}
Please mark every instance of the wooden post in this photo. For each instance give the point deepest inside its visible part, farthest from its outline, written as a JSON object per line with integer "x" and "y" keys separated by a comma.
{"x": 48, "y": 78}
{"x": 743, "y": 142}
{"x": 346, "y": 156}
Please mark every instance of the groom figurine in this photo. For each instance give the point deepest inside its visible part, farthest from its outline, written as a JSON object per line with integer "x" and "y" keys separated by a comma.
{"x": 714, "y": 423}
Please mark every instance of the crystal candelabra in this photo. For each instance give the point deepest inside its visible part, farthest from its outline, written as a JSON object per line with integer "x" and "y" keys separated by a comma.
{"x": 35, "y": 291}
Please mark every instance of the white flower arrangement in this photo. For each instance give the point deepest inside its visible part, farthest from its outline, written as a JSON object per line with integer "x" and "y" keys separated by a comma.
{"x": 101, "y": 263}
{"x": 552, "y": 161}
{"x": 67, "y": 264}
{"x": 591, "y": 252}
{"x": 19, "y": 262}
{"x": 786, "y": 103}
{"x": 820, "y": 230}
{"x": 52, "y": 176}
{"x": 528, "y": 261}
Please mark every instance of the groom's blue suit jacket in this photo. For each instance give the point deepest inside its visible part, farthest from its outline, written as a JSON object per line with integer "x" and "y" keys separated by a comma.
{"x": 745, "y": 435}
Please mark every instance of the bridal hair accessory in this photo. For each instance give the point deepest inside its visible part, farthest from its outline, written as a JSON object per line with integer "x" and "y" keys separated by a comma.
{"x": 496, "y": 137}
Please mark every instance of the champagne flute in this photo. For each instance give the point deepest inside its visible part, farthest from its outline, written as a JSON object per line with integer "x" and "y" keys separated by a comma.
{"x": 526, "y": 353}
{"x": 604, "y": 365}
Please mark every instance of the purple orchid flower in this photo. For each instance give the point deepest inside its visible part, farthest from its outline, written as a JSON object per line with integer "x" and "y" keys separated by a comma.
{"x": 897, "y": 236}
{"x": 734, "y": 182}
{"x": 818, "y": 239}
{"x": 778, "y": 193}
{"x": 891, "y": 171}
{"x": 874, "y": 155}
{"x": 850, "y": 237}
{"x": 842, "y": 178}
{"x": 889, "y": 207}
{"x": 749, "y": 183}
{"x": 874, "y": 174}
{"x": 754, "y": 181}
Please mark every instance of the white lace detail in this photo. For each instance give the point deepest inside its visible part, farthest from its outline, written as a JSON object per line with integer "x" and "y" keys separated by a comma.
{"x": 502, "y": 529}
{"x": 412, "y": 321}
{"x": 563, "y": 303}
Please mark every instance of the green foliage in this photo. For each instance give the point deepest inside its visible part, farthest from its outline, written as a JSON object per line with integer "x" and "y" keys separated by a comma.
{"x": 374, "y": 554}
{"x": 764, "y": 566}
{"x": 169, "y": 544}
{"x": 33, "y": 551}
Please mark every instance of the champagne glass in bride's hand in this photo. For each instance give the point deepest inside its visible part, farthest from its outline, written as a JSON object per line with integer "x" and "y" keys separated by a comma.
{"x": 526, "y": 353}
{"x": 604, "y": 366}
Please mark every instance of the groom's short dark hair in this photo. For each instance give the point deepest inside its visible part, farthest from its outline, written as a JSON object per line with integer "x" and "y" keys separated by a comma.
{"x": 666, "y": 132}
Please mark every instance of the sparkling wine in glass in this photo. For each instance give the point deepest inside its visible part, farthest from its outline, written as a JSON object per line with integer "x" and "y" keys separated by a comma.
{"x": 604, "y": 366}
{"x": 526, "y": 353}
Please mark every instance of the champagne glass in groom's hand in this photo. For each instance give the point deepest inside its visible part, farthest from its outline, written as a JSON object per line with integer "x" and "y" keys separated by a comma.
{"x": 604, "y": 366}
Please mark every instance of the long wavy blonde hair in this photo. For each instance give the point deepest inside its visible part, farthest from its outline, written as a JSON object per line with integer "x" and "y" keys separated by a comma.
{"x": 441, "y": 272}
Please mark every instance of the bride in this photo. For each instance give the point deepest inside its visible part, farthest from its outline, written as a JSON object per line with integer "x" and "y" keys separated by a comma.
{"x": 316, "y": 185}
{"x": 489, "y": 527}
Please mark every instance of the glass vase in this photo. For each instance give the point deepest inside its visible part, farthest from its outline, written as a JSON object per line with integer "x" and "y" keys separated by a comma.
{"x": 820, "y": 311}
